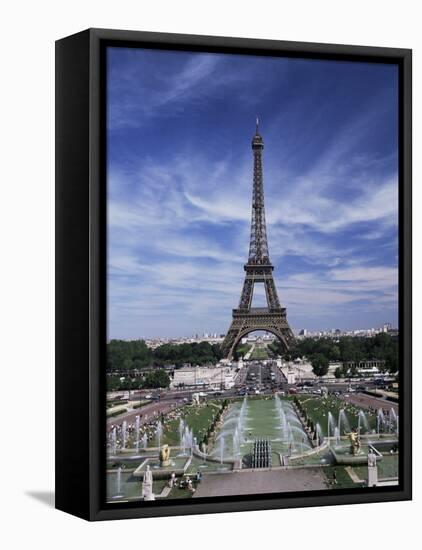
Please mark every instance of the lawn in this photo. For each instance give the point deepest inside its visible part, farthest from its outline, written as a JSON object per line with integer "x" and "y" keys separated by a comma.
{"x": 318, "y": 408}
{"x": 198, "y": 418}
{"x": 387, "y": 468}
{"x": 259, "y": 354}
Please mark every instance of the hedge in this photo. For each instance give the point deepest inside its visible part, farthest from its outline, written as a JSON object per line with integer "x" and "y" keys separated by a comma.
{"x": 115, "y": 413}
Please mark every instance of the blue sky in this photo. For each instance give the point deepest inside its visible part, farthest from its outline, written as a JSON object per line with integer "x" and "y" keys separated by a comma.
{"x": 179, "y": 129}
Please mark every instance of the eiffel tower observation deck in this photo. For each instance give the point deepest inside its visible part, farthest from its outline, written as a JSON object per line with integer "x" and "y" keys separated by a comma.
{"x": 258, "y": 269}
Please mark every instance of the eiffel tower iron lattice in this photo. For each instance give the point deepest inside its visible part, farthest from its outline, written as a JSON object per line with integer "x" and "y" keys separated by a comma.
{"x": 258, "y": 269}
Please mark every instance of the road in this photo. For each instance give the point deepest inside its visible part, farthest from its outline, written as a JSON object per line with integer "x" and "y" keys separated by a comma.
{"x": 265, "y": 377}
{"x": 146, "y": 413}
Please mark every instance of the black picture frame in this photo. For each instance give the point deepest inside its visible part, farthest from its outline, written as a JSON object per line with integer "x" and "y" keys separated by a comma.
{"x": 81, "y": 272}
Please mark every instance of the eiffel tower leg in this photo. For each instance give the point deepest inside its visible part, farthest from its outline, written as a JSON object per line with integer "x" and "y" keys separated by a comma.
{"x": 239, "y": 328}
{"x": 232, "y": 339}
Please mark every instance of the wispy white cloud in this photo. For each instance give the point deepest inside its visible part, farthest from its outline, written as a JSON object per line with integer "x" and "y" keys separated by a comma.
{"x": 146, "y": 93}
{"x": 179, "y": 222}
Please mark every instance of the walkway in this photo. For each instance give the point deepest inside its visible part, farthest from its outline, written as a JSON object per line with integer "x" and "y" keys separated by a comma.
{"x": 259, "y": 482}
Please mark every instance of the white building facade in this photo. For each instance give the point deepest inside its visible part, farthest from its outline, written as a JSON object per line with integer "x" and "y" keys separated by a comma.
{"x": 215, "y": 378}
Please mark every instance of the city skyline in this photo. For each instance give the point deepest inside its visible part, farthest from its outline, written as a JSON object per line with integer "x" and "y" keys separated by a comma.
{"x": 201, "y": 334}
{"x": 180, "y": 184}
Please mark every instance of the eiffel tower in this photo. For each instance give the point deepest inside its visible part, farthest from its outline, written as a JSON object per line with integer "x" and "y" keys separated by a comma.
{"x": 259, "y": 269}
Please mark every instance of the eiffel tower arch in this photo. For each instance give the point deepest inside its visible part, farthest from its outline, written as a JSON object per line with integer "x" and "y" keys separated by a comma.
{"x": 258, "y": 269}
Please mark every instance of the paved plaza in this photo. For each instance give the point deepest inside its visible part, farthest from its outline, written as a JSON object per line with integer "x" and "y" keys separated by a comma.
{"x": 368, "y": 401}
{"x": 260, "y": 482}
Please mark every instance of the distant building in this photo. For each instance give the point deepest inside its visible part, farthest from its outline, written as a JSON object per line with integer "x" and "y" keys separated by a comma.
{"x": 366, "y": 368}
{"x": 213, "y": 378}
{"x": 291, "y": 377}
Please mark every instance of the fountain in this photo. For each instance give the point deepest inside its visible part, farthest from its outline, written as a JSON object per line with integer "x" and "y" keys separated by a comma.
{"x": 114, "y": 440}
{"x": 187, "y": 441}
{"x": 393, "y": 420}
{"x": 362, "y": 421}
{"x": 118, "y": 483}
{"x": 137, "y": 428}
{"x": 342, "y": 420}
{"x": 221, "y": 449}
{"x": 282, "y": 417}
{"x": 242, "y": 415}
{"x": 248, "y": 420}
{"x": 124, "y": 434}
{"x": 236, "y": 443}
{"x": 262, "y": 453}
{"x": 330, "y": 426}
{"x": 318, "y": 434}
{"x": 181, "y": 438}
{"x": 380, "y": 421}
{"x": 159, "y": 433}
{"x": 144, "y": 441}
{"x": 337, "y": 436}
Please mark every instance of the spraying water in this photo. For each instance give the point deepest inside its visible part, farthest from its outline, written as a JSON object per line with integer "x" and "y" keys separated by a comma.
{"x": 380, "y": 421}
{"x": 362, "y": 422}
{"x": 236, "y": 443}
{"x": 181, "y": 432}
{"x": 118, "y": 481}
{"x": 337, "y": 436}
{"x": 330, "y": 425}
{"x": 137, "y": 428}
{"x": 114, "y": 440}
{"x": 343, "y": 421}
{"x": 159, "y": 434}
{"x": 187, "y": 440}
{"x": 394, "y": 424}
{"x": 124, "y": 434}
{"x": 318, "y": 434}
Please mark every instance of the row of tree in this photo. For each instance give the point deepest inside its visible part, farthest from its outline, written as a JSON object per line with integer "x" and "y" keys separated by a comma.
{"x": 158, "y": 378}
{"x": 123, "y": 355}
{"x": 345, "y": 349}
{"x": 135, "y": 355}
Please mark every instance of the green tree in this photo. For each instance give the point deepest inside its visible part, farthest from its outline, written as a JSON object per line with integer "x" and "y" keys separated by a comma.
{"x": 338, "y": 373}
{"x": 158, "y": 378}
{"x": 320, "y": 364}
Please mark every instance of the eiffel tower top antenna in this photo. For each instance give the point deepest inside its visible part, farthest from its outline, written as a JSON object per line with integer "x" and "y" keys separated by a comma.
{"x": 258, "y": 246}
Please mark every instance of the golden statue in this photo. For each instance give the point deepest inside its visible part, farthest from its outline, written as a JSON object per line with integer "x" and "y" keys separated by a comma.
{"x": 165, "y": 455}
{"x": 355, "y": 443}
